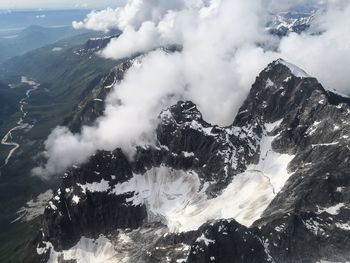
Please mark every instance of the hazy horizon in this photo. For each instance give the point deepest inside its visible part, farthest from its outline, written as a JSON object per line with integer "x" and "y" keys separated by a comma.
{"x": 57, "y": 4}
{"x": 13, "y": 22}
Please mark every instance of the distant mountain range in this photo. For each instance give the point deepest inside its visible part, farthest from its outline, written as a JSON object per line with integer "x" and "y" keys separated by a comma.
{"x": 12, "y": 21}
{"x": 284, "y": 23}
{"x": 32, "y": 38}
{"x": 22, "y": 31}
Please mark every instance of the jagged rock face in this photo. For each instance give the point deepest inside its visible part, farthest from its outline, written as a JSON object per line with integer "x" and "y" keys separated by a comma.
{"x": 303, "y": 223}
{"x": 219, "y": 152}
{"x": 280, "y": 170}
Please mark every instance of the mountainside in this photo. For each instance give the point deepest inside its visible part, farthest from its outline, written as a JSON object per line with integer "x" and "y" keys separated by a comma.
{"x": 271, "y": 187}
{"x": 65, "y": 80}
{"x": 93, "y": 105}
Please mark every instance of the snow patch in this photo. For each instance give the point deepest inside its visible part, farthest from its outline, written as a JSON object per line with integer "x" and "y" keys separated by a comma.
{"x": 272, "y": 165}
{"x": 332, "y": 210}
{"x": 271, "y": 126}
{"x": 311, "y": 130}
{"x": 188, "y": 154}
{"x": 52, "y": 206}
{"x": 86, "y": 250}
{"x": 195, "y": 125}
{"x": 244, "y": 199}
{"x": 102, "y": 186}
{"x": 204, "y": 239}
{"x": 343, "y": 226}
{"x": 340, "y": 189}
{"x": 57, "y": 49}
{"x": 287, "y": 79}
{"x": 165, "y": 192}
{"x": 324, "y": 144}
{"x": 296, "y": 71}
{"x": 26, "y": 80}
{"x": 75, "y": 199}
{"x": 269, "y": 83}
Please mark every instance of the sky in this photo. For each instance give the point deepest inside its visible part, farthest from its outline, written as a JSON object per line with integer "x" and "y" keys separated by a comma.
{"x": 59, "y": 4}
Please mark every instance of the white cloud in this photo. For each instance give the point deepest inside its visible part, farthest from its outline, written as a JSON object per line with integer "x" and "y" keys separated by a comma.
{"x": 133, "y": 14}
{"x": 100, "y": 21}
{"x": 126, "y": 121}
{"x": 221, "y": 57}
{"x": 324, "y": 56}
{"x": 131, "y": 42}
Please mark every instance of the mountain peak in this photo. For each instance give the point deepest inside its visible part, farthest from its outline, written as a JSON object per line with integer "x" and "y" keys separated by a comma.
{"x": 280, "y": 88}
{"x": 294, "y": 70}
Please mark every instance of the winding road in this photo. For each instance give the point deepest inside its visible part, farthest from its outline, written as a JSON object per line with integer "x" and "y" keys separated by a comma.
{"x": 7, "y": 139}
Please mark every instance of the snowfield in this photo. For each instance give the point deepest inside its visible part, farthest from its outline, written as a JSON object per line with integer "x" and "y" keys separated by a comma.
{"x": 177, "y": 198}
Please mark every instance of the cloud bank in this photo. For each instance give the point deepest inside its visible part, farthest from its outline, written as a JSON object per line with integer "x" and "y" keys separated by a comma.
{"x": 133, "y": 14}
{"x": 224, "y": 47}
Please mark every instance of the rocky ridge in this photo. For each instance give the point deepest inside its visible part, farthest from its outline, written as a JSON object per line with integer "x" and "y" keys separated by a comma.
{"x": 279, "y": 175}
{"x": 95, "y": 44}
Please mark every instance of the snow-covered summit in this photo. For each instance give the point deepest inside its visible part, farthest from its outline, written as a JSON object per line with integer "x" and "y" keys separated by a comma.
{"x": 295, "y": 70}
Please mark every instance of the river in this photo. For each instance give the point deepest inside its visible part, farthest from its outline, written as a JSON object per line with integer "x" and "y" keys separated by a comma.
{"x": 21, "y": 124}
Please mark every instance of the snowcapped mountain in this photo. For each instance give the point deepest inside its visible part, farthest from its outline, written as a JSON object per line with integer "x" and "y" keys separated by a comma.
{"x": 284, "y": 23}
{"x": 271, "y": 187}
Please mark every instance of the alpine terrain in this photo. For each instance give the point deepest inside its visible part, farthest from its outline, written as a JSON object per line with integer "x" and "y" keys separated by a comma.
{"x": 271, "y": 187}
{"x": 180, "y": 131}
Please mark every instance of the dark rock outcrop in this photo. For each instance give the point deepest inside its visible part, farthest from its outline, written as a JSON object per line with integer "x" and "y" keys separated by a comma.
{"x": 227, "y": 241}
